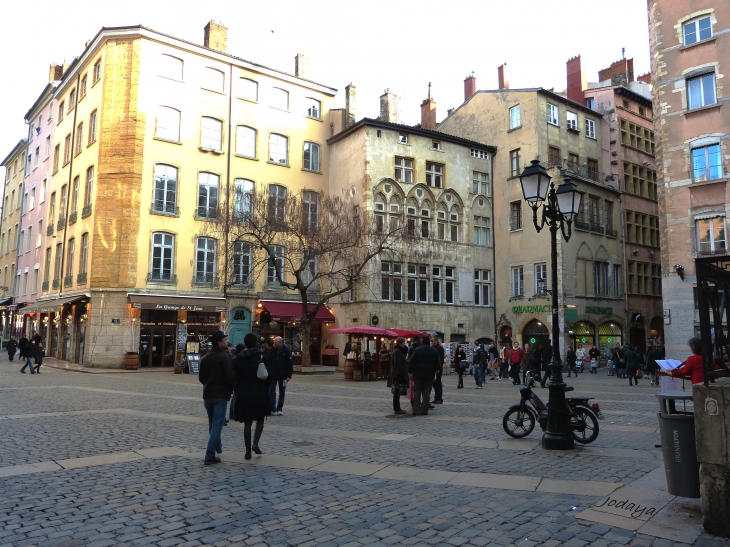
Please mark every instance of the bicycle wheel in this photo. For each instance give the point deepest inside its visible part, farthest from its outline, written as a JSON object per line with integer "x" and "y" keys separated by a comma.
{"x": 518, "y": 423}
{"x": 583, "y": 425}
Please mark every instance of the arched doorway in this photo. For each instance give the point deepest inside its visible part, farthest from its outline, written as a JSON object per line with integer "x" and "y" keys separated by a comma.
{"x": 535, "y": 333}
{"x": 582, "y": 332}
{"x": 656, "y": 329}
{"x": 609, "y": 334}
{"x": 505, "y": 336}
{"x": 240, "y": 325}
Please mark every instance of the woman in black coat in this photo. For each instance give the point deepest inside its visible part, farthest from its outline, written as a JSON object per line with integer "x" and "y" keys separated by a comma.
{"x": 252, "y": 393}
{"x": 12, "y": 347}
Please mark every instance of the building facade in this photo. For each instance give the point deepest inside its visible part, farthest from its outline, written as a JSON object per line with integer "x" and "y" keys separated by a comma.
{"x": 566, "y": 137}
{"x": 688, "y": 44}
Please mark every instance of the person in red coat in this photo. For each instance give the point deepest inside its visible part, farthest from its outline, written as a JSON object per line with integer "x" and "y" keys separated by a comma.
{"x": 693, "y": 368}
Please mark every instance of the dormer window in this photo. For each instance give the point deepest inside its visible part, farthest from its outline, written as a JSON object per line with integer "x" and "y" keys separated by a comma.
{"x": 403, "y": 139}
{"x": 435, "y": 145}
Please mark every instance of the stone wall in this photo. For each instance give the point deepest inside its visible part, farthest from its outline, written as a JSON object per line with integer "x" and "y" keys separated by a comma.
{"x": 106, "y": 341}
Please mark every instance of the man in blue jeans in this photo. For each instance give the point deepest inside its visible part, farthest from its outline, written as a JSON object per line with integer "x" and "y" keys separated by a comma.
{"x": 216, "y": 375}
{"x": 281, "y": 368}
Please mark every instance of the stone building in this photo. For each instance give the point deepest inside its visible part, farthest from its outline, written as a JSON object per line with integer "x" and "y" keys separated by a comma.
{"x": 688, "y": 43}
{"x": 566, "y": 137}
{"x": 154, "y": 136}
{"x": 15, "y": 172}
{"x": 629, "y": 131}
{"x": 441, "y": 185}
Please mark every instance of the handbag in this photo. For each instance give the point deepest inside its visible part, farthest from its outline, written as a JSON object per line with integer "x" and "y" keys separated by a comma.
{"x": 639, "y": 374}
{"x": 262, "y": 373}
{"x": 399, "y": 389}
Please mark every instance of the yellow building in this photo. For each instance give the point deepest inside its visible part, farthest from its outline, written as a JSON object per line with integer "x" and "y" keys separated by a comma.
{"x": 154, "y": 135}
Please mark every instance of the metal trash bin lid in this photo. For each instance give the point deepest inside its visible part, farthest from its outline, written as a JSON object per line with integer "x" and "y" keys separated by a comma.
{"x": 667, "y": 404}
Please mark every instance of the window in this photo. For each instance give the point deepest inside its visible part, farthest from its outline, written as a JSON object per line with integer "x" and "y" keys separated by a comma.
{"x": 514, "y": 117}
{"x": 97, "y": 71}
{"x": 391, "y": 281}
{"x": 616, "y": 280}
{"x": 436, "y": 285}
{"x": 403, "y": 138}
{"x": 515, "y": 159}
{"x": 711, "y": 235}
{"x": 63, "y": 203}
{"x": 601, "y": 284}
{"x": 61, "y": 107}
{"x": 57, "y": 265}
{"x": 313, "y": 107}
{"x": 552, "y": 114}
{"x": 205, "y": 260}
{"x": 75, "y": 194}
{"x": 56, "y": 157}
{"x": 207, "y": 195}
{"x": 422, "y": 284}
{"x": 592, "y": 168}
{"x": 608, "y": 216}
{"x": 170, "y": 67}
{"x": 515, "y": 215}
{"x": 482, "y": 288}
{"x": 573, "y": 161}
{"x": 435, "y": 145}
{"x": 79, "y": 137}
{"x": 403, "y": 169}
{"x": 449, "y": 284}
{"x": 590, "y": 103}
{"x": 571, "y": 119}
{"x": 480, "y": 183}
{"x": 242, "y": 252}
{"x": 162, "y": 261}
{"x": 37, "y": 156}
{"x": 554, "y": 156}
{"x": 540, "y": 274}
{"x": 277, "y": 202}
{"x": 594, "y": 210}
{"x": 47, "y": 269}
{"x": 35, "y": 281}
{"x": 434, "y": 174}
{"x": 246, "y": 141}
{"x": 72, "y": 100}
{"x": 168, "y": 124}
{"x": 310, "y": 211}
{"x": 67, "y": 149}
{"x": 165, "y": 198}
{"x": 278, "y": 149}
{"x": 274, "y": 264}
{"x": 644, "y": 278}
{"x": 636, "y": 136}
{"x": 82, "y": 89}
{"x": 89, "y": 186}
{"x": 475, "y": 153}
{"x": 425, "y": 228}
{"x": 211, "y": 134}
{"x": 706, "y": 163}
{"x": 640, "y": 181}
{"x": 482, "y": 231}
{"x": 21, "y": 241}
{"x": 248, "y": 89}
{"x": 28, "y": 164}
{"x": 590, "y": 128}
{"x": 697, "y": 30}
{"x": 243, "y": 201}
{"x": 701, "y": 91}
{"x": 214, "y": 80}
{"x": 70, "y": 250}
{"x": 39, "y": 237}
{"x": 642, "y": 229}
{"x": 279, "y": 98}
{"x": 518, "y": 281}
{"x": 642, "y": 111}
{"x": 311, "y": 156}
{"x": 84, "y": 253}
{"x": 25, "y": 283}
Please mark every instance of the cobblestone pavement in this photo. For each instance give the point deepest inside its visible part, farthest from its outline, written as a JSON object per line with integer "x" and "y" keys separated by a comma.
{"x": 175, "y": 500}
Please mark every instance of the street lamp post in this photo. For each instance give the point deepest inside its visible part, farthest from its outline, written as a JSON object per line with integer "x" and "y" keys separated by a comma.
{"x": 558, "y": 212}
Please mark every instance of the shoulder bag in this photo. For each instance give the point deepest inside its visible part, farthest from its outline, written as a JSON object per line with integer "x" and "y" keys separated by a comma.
{"x": 262, "y": 373}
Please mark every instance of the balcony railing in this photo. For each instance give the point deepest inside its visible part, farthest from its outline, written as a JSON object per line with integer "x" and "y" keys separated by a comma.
{"x": 611, "y": 233}
{"x": 44, "y": 286}
{"x": 576, "y": 169}
{"x": 81, "y": 279}
{"x": 68, "y": 281}
{"x": 160, "y": 207}
{"x": 56, "y": 283}
{"x": 240, "y": 280}
{"x": 207, "y": 213}
{"x": 205, "y": 279}
{"x": 60, "y": 224}
{"x": 581, "y": 225}
{"x": 161, "y": 277}
{"x": 72, "y": 218}
{"x": 596, "y": 229}
{"x": 86, "y": 211}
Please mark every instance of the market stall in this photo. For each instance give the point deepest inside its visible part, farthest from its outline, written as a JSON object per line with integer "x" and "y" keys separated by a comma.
{"x": 372, "y": 365}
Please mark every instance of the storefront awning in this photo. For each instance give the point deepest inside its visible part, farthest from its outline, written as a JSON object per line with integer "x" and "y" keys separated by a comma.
{"x": 291, "y": 311}
{"x": 47, "y": 306}
{"x": 169, "y": 302}
{"x": 6, "y": 301}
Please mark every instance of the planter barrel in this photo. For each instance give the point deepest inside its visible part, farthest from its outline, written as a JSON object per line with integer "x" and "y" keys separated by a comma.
{"x": 131, "y": 360}
{"x": 350, "y": 367}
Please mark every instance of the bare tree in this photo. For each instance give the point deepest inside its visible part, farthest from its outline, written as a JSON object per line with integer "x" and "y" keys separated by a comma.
{"x": 317, "y": 245}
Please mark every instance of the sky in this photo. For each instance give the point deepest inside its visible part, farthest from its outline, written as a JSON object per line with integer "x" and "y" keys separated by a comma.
{"x": 400, "y": 45}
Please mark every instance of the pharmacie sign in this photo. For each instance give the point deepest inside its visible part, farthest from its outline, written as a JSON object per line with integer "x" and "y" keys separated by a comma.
{"x": 599, "y": 311}
{"x": 532, "y": 309}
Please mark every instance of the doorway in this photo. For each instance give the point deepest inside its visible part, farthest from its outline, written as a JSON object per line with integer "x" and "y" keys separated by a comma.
{"x": 157, "y": 346}
{"x": 582, "y": 333}
{"x": 535, "y": 333}
{"x": 240, "y": 325}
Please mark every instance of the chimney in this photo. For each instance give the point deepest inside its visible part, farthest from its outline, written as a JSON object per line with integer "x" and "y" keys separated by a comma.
{"x": 55, "y": 72}
{"x": 470, "y": 86}
{"x": 620, "y": 73}
{"x": 449, "y": 112}
{"x": 428, "y": 112}
{"x": 301, "y": 66}
{"x": 215, "y": 36}
{"x": 502, "y": 76}
{"x": 389, "y": 107}
{"x": 576, "y": 80}
{"x": 350, "y": 96}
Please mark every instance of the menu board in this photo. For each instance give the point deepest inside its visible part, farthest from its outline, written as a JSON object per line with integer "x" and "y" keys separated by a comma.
{"x": 193, "y": 360}
{"x": 182, "y": 336}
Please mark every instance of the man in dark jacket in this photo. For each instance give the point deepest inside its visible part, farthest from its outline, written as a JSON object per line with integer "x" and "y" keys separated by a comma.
{"x": 422, "y": 366}
{"x": 546, "y": 357}
{"x": 438, "y": 387}
{"x": 27, "y": 352}
{"x": 632, "y": 364}
{"x": 281, "y": 370}
{"x": 12, "y": 347}
{"x": 216, "y": 375}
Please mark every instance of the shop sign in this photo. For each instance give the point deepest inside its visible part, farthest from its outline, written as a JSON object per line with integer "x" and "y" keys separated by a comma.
{"x": 270, "y": 331}
{"x": 532, "y": 309}
{"x": 599, "y": 311}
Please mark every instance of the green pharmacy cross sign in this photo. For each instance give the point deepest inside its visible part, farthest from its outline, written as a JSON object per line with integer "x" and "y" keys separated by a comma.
{"x": 609, "y": 340}
{"x": 532, "y": 340}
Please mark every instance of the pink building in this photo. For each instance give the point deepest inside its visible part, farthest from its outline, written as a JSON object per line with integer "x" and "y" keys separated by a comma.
{"x": 43, "y": 158}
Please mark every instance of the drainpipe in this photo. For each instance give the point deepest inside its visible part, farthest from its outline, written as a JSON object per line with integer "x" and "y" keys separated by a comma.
{"x": 228, "y": 190}
{"x": 494, "y": 250}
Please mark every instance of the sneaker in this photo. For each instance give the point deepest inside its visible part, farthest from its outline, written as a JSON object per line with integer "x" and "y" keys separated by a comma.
{"x": 211, "y": 462}
{"x": 279, "y": 413}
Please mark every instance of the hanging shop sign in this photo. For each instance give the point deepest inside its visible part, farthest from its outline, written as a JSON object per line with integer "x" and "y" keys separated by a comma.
{"x": 599, "y": 311}
{"x": 532, "y": 309}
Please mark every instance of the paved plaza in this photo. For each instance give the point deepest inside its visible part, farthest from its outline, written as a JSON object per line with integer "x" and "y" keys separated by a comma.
{"x": 117, "y": 459}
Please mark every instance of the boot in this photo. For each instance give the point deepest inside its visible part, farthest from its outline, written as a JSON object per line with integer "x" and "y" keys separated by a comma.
{"x": 247, "y": 440}
{"x": 257, "y": 437}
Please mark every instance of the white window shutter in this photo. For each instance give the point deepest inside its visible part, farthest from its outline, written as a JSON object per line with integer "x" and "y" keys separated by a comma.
{"x": 466, "y": 286}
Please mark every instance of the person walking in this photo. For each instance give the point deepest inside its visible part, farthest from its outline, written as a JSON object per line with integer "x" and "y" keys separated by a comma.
{"x": 526, "y": 364}
{"x": 398, "y": 371}
{"x": 281, "y": 369}
{"x": 216, "y": 375}
{"x": 422, "y": 366}
{"x": 461, "y": 365}
{"x": 632, "y": 364}
{"x": 580, "y": 355}
{"x": 595, "y": 355}
{"x": 40, "y": 353}
{"x": 12, "y": 347}
{"x": 620, "y": 361}
{"x": 251, "y": 399}
{"x": 652, "y": 367}
{"x": 546, "y": 357}
{"x": 515, "y": 362}
{"x": 503, "y": 361}
{"x": 27, "y": 352}
{"x": 478, "y": 360}
{"x": 570, "y": 359}
{"x": 438, "y": 387}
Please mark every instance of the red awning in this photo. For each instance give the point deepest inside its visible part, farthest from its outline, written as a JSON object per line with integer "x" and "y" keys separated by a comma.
{"x": 291, "y": 312}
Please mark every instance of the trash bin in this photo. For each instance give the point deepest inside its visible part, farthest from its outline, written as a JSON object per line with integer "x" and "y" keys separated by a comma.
{"x": 677, "y": 430}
